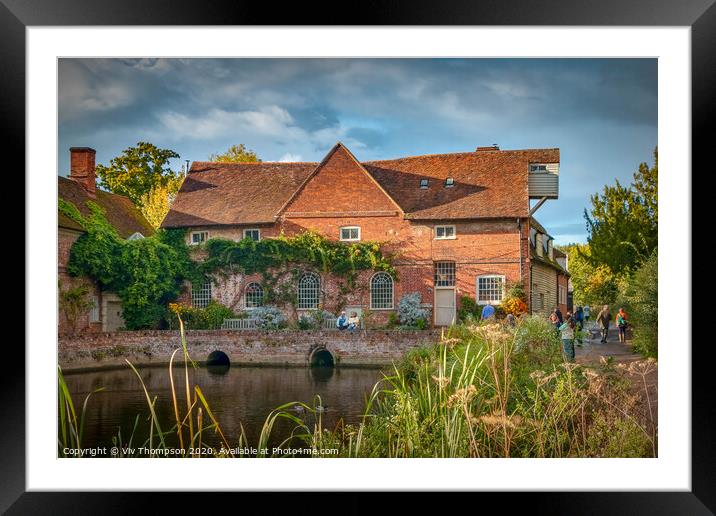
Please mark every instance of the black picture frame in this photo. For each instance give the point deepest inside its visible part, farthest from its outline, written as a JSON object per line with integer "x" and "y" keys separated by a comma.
{"x": 700, "y": 15}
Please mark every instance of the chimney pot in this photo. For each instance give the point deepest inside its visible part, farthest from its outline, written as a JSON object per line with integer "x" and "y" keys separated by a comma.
{"x": 82, "y": 168}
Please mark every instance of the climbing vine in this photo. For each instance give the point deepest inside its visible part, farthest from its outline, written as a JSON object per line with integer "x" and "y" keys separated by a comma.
{"x": 148, "y": 273}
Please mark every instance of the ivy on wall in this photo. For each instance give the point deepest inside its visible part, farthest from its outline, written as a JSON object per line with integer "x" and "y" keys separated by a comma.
{"x": 149, "y": 273}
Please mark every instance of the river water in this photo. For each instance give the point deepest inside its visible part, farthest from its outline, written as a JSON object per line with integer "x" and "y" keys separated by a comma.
{"x": 239, "y": 396}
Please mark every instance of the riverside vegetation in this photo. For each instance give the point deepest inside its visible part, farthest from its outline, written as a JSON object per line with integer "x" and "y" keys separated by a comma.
{"x": 484, "y": 390}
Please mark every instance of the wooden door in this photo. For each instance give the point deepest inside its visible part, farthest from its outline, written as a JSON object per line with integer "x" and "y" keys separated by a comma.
{"x": 444, "y": 306}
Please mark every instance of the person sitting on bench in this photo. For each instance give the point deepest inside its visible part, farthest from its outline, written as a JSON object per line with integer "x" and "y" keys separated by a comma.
{"x": 342, "y": 321}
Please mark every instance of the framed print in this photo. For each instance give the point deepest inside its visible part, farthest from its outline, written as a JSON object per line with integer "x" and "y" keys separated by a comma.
{"x": 424, "y": 256}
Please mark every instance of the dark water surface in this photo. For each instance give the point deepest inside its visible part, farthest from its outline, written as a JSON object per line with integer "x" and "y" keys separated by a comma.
{"x": 239, "y": 396}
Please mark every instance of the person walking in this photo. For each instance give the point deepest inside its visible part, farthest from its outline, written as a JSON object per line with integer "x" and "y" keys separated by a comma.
{"x": 567, "y": 333}
{"x": 586, "y": 315}
{"x": 621, "y": 320}
{"x": 579, "y": 325}
{"x": 603, "y": 319}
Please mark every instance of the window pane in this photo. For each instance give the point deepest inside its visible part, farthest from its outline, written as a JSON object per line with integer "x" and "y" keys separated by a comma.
{"x": 444, "y": 274}
{"x": 449, "y": 231}
{"x": 201, "y": 295}
{"x": 381, "y": 291}
{"x": 309, "y": 287}
{"x": 254, "y": 297}
{"x": 440, "y": 231}
{"x": 490, "y": 288}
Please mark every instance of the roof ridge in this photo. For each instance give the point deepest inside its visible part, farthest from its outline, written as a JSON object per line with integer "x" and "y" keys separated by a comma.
{"x": 471, "y": 153}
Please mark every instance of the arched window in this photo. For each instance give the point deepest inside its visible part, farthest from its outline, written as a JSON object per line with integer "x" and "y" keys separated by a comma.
{"x": 381, "y": 291}
{"x": 309, "y": 290}
{"x": 253, "y": 295}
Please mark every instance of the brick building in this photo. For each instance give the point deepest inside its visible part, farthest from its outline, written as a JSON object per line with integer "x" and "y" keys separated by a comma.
{"x": 459, "y": 224}
{"x": 77, "y": 189}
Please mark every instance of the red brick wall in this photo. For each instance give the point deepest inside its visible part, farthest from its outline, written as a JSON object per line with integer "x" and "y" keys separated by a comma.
{"x": 562, "y": 282}
{"x": 341, "y": 185}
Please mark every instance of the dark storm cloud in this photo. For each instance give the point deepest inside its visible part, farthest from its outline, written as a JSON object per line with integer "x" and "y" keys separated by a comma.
{"x": 602, "y": 113}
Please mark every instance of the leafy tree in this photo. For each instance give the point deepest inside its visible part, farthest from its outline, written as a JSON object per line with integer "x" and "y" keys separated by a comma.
{"x": 155, "y": 204}
{"x": 236, "y": 154}
{"x": 641, "y": 297}
{"x": 137, "y": 170}
{"x": 593, "y": 284}
{"x": 623, "y": 223}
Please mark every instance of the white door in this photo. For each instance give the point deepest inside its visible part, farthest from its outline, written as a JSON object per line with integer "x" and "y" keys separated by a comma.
{"x": 114, "y": 319}
{"x": 444, "y": 306}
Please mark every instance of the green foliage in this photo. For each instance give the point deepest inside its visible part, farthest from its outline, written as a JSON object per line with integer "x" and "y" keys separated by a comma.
{"x": 641, "y": 298}
{"x": 307, "y": 250}
{"x": 148, "y": 273}
{"x": 210, "y": 317}
{"x": 469, "y": 309}
{"x": 137, "y": 170}
{"x": 236, "y": 154}
{"x": 623, "y": 223}
{"x": 594, "y": 285}
{"x": 74, "y": 302}
{"x": 145, "y": 273}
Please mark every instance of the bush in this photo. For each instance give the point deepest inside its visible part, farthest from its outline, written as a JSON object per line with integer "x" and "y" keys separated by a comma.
{"x": 469, "y": 309}
{"x": 209, "y": 318}
{"x": 641, "y": 297}
{"x": 314, "y": 319}
{"x": 410, "y": 311}
{"x": 268, "y": 317}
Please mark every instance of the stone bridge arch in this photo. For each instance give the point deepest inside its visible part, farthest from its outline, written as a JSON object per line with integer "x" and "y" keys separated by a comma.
{"x": 321, "y": 356}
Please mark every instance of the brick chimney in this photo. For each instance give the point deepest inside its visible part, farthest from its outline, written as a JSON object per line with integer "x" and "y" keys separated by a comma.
{"x": 82, "y": 168}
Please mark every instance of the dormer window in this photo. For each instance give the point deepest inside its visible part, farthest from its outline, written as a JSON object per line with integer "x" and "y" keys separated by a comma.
{"x": 449, "y": 182}
{"x": 538, "y": 168}
{"x": 423, "y": 183}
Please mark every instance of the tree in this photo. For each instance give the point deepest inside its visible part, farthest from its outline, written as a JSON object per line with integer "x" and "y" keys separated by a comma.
{"x": 155, "y": 204}
{"x": 623, "y": 224}
{"x": 137, "y": 170}
{"x": 236, "y": 154}
{"x": 593, "y": 284}
{"x": 641, "y": 297}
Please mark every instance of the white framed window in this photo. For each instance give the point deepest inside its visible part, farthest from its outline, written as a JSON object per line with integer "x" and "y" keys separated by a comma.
{"x": 198, "y": 237}
{"x": 449, "y": 182}
{"x": 444, "y": 274}
{"x": 445, "y": 232}
{"x": 94, "y": 311}
{"x": 253, "y": 296}
{"x": 423, "y": 183}
{"x": 350, "y": 234}
{"x": 253, "y": 234}
{"x": 490, "y": 289}
{"x": 201, "y": 295}
{"x": 538, "y": 168}
{"x": 309, "y": 291}
{"x": 381, "y": 291}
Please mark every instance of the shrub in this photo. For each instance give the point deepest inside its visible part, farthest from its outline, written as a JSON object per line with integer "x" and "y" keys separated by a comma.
{"x": 268, "y": 317}
{"x": 516, "y": 290}
{"x": 74, "y": 302}
{"x": 469, "y": 309}
{"x": 209, "y": 318}
{"x": 314, "y": 319}
{"x": 641, "y": 297}
{"x": 410, "y": 311}
{"x": 514, "y": 306}
{"x": 392, "y": 320}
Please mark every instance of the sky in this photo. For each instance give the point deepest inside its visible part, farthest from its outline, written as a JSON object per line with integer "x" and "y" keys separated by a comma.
{"x": 601, "y": 113}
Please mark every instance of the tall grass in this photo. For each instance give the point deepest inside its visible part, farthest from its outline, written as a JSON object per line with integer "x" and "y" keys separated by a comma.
{"x": 484, "y": 390}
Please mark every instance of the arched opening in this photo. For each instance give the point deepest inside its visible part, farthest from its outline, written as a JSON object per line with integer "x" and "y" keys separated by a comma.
{"x": 218, "y": 358}
{"x": 321, "y": 357}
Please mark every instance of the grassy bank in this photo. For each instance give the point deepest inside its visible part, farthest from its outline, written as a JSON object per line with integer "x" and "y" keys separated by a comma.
{"x": 481, "y": 391}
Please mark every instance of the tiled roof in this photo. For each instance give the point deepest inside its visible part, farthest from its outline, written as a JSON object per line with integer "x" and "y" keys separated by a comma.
{"x": 119, "y": 210}
{"x": 487, "y": 184}
{"x": 235, "y": 193}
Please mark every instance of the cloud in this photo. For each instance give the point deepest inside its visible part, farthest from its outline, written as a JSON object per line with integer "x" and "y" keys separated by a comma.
{"x": 288, "y": 158}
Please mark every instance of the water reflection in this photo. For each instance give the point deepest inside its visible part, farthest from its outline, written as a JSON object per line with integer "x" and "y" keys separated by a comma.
{"x": 236, "y": 395}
